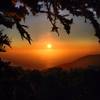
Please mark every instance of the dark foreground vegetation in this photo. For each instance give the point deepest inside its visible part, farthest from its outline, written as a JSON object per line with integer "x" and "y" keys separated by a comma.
{"x": 52, "y": 84}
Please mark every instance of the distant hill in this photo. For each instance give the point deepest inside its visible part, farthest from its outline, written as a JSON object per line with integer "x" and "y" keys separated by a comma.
{"x": 83, "y": 62}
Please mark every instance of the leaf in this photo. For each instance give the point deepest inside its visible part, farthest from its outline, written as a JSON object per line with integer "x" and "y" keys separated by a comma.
{"x": 55, "y": 29}
{"x": 23, "y": 32}
{"x": 4, "y": 40}
{"x": 6, "y": 21}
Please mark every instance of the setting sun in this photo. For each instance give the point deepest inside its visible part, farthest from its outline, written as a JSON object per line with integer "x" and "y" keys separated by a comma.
{"x": 49, "y": 46}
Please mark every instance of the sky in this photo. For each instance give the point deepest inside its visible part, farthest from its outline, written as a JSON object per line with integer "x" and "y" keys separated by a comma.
{"x": 65, "y": 48}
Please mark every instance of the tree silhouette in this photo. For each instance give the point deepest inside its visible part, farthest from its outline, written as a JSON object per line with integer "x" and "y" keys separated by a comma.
{"x": 13, "y": 11}
{"x": 51, "y": 84}
{"x": 4, "y": 40}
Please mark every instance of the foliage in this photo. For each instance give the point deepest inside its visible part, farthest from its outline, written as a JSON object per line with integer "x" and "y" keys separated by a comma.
{"x": 4, "y": 40}
{"x": 12, "y": 13}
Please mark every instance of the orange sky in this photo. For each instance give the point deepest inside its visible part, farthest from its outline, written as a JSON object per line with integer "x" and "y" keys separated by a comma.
{"x": 39, "y": 56}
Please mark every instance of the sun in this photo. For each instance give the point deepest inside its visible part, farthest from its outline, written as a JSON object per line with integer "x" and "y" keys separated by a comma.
{"x": 49, "y": 46}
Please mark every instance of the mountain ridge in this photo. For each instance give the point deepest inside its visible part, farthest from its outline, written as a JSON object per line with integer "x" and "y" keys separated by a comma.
{"x": 83, "y": 62}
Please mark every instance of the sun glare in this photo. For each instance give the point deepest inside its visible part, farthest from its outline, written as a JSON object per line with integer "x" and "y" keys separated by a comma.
{"x": 49, "y": 46}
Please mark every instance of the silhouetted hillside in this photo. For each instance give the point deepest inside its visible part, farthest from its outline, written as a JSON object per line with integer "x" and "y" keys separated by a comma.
{"x": 83, "y": 62}
{"x": 51, "y": 84}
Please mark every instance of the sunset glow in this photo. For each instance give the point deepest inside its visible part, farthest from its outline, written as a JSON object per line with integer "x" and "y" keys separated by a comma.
{"x": 47, "y": 49}
{"x": 49, "y": 46}
{"x": 48, "y": 53}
